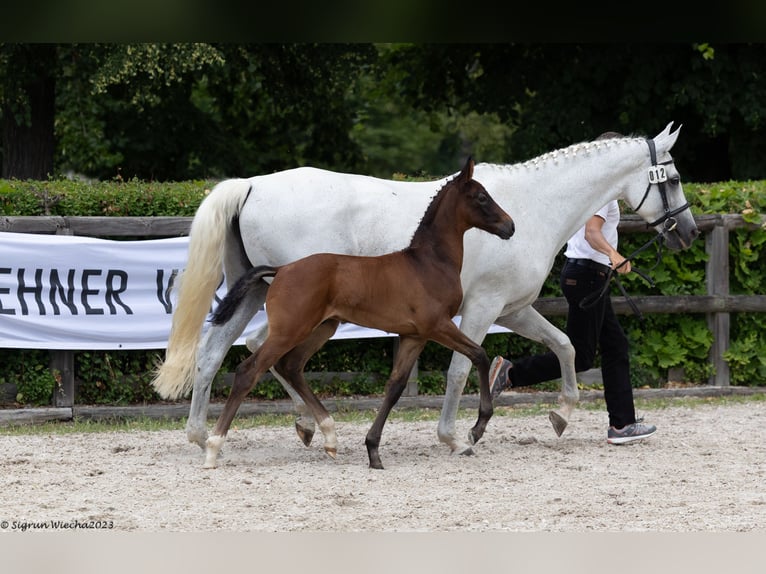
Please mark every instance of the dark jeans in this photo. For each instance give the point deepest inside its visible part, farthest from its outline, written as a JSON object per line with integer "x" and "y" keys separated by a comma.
{"x": 590, "y": 330}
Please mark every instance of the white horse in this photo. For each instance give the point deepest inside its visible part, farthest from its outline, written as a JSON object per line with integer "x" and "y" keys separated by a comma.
{"x": 277, "y": 218}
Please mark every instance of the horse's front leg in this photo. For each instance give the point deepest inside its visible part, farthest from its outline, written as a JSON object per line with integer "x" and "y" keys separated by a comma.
{"x": 450, "y": 336}
{"x": 211, "y": 351}
{"x": 408, "y": 352}
{"x": 474, "y": 324}
{"x": 528, "y": 323}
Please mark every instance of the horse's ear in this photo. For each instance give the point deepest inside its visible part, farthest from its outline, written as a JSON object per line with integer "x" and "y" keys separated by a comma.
{"x": 467, "y": 172}
{"x": 667, "y": 137}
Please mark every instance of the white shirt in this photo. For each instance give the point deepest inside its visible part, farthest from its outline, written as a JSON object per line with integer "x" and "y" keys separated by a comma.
{"x": 579, "y": 248}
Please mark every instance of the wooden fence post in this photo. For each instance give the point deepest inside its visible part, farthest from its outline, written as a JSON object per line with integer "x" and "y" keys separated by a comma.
{"x": 717, "y": 279}
{"x": 62, "y": 362}
{"x": 62, "y": 366}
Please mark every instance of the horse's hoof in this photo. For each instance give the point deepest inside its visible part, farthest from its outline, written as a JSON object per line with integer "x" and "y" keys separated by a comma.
{"x": 467, "y": 451}
{"x": 305, "y": 434}
{"x": 559, "y": 423}
{"x": 198, "y": 439}
{"x": 333, "y": 452}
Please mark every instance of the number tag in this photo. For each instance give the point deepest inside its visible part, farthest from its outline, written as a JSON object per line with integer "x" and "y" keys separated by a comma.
{"x": 657, "y": 174}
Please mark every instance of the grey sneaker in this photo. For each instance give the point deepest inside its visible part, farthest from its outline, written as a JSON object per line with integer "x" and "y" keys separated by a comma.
{"x": 637, "y": 431}
{"x": 498, "y": 376}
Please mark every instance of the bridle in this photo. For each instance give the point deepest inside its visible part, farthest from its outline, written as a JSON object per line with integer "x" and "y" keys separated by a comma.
{"x": 657, "y": 176}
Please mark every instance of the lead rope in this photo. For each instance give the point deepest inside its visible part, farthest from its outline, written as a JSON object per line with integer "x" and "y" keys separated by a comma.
{"x": 594, "y": 297}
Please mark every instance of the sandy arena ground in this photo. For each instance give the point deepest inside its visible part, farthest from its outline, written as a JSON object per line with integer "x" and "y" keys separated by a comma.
{"x": 704, "y": 471}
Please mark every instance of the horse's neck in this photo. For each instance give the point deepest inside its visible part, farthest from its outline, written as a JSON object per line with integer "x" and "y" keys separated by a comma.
{"x": 558, "y": 192}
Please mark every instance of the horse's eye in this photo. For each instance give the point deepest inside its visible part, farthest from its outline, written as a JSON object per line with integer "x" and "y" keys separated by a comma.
{"x": 675, "y": 180}
{"x": 481, "y": 198}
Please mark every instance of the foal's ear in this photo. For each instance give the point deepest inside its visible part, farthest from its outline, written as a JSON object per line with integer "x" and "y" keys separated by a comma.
{"x": 467, "y": 172}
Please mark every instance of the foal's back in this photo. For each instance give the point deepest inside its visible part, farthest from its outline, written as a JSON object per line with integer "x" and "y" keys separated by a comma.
{"x": 397, "y": 292}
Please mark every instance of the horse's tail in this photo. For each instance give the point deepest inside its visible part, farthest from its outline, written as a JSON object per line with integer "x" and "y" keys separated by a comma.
{"x": 238, "y": 291}
{"x": 197, "y": 285}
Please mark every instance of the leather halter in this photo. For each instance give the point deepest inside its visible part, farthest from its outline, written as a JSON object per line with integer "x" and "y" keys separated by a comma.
{"x": 658, "y": 177}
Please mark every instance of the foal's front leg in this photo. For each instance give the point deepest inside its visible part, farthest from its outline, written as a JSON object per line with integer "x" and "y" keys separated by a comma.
{"x": 409, "y": 351}
{"x": 453, "y": 338}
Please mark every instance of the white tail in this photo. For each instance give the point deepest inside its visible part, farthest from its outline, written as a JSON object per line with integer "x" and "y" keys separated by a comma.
{"x": 197, "y": 285}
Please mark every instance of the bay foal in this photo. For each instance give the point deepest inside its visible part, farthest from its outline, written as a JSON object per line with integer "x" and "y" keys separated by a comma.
{"x": 414, "y": 292}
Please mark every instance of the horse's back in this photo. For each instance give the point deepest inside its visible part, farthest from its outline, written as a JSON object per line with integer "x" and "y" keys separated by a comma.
{"x": 297, "y": 212}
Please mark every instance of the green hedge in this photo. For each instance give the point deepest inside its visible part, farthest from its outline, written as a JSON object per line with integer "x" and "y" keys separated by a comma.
{"x": 678, "y": 340}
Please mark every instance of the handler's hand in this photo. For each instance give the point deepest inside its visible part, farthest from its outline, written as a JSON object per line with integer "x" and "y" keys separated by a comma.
{"x": 616, "y": 260}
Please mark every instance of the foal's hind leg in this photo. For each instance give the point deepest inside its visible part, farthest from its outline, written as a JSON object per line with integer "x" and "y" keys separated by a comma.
{"x": 409, "y": 351}
{"x": 291, "y": 368}
{"x": 304, "y": 421}
{"x": 246, "y": 376}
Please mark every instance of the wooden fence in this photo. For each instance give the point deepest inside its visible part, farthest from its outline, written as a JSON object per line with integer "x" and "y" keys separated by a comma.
{"x": 718, "y": 304}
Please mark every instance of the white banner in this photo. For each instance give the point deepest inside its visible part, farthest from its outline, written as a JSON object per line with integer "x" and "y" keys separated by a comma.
{"x": 69, "y": 293}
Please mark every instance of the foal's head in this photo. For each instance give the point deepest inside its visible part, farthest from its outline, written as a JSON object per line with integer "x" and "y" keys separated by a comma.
{"x": 466, "y": 201}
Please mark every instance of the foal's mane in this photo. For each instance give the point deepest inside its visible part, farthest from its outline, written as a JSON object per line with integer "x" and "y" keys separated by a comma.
{"x": 430, "y": 215}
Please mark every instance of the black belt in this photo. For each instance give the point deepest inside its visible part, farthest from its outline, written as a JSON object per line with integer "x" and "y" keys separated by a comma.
{"x": 590, "y": 264}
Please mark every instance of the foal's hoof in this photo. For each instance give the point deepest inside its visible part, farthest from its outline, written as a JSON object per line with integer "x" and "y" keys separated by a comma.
{"x": 332, "y": 451}
{"x": 559, "y": 423}
{"x": 305, "y": 434}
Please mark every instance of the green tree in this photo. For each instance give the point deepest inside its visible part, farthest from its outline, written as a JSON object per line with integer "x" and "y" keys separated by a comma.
{"x": 551, "y": 95}
{"x": 180, "y": 111}
{"x": 27, "y": 93}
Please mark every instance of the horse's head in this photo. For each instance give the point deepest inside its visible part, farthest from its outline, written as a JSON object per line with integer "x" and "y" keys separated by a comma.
{"x": 481, "y": 211}
{"x": 663, "y": 204}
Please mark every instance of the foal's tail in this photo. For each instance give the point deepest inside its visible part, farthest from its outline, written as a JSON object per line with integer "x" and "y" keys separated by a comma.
{"x": 197, "y": 285}
{"x": 238, "y": 291}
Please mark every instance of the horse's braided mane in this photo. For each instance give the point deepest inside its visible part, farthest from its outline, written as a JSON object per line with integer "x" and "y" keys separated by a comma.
{"x": 568, "y": 152}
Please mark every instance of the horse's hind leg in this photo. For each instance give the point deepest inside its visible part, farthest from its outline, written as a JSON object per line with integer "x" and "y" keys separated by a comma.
{"x": 409, "y": 351}
{"x": 291, "y": 366}
{"x": 211, "y": 351}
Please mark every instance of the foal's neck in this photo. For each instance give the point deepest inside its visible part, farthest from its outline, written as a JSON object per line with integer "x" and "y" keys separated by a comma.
{"x": 438, "y": 244}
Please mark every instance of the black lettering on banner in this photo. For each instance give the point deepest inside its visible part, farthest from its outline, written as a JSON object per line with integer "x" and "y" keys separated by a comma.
{"x": 67, "y": 297}
{"x": 112, "y": 294}
{"x": 5, "y": 291}
{"x": 86, "y": 274}
{"x": 163, "y": 291}
{"x": 37, "y": 289}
